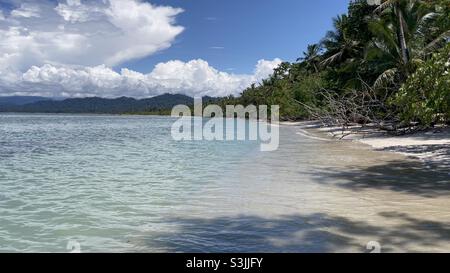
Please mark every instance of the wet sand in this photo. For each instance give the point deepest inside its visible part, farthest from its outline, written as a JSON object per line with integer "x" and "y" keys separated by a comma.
{"x": 431, "y": 146}
{"x": 316, "y": 195}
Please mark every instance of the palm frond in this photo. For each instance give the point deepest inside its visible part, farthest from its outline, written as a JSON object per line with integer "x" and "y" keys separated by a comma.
{"x": 386, "y": 39}
{"x": 385, "y": 78}
{"x": 435, "y": 44}
{"x": 427, "y": 17}
{"x": 332, "y": 59}
{"x": 422, "y": 26}
{"x": 386, "y": 4}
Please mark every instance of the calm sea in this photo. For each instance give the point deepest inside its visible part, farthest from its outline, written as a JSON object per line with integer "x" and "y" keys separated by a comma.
{"x": 121, "y": 184}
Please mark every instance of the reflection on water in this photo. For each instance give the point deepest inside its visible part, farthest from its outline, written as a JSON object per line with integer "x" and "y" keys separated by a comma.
{"x": 117, "y": 183}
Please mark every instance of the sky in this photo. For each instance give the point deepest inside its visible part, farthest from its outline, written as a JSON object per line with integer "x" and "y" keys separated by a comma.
{"x": 137, "y": 48}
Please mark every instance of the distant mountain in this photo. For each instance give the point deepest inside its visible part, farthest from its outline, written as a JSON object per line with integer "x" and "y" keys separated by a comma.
{"x": 21, "y": 100}
{"x": 97, "y": 105}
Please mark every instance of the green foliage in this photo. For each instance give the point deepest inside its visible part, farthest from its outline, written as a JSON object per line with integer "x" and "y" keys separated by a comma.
{"x": 372, "y": 47}
{"x": 289, "y": 87}
{"x": 425, "y": 97}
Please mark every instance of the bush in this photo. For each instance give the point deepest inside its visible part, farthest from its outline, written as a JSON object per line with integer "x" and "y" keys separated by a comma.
{"x": 425, "y": 96}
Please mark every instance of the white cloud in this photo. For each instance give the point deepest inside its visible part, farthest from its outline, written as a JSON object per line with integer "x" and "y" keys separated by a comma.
{"x": 264, "y": 68}
{"x": 148, "y": 28}
{"x": 87, "y": 33}
{"x": 74, "y": 11}
{"x": 27, "y": 10}
{"x": 194, "y": 78}
{"x": 68, "y": 48}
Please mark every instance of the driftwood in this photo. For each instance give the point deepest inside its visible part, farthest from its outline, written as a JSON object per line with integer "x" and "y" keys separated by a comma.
{"x": 367, "y": 108}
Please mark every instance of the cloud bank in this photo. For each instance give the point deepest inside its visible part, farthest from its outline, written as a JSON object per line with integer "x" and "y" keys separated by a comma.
{"x": 194, "y": 78}
{"x": 67, "y": 49}
{"x": 98, "y": 32}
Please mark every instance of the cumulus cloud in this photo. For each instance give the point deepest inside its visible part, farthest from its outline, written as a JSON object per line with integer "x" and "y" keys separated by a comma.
{"x": 27, "y": 10}
{"x": 74, "y": 11}
{"x": 85, "y": 33}
{"x": 264, "y": 68}
{"x": 194, "y": 78}
{"x": 68, "y": 48}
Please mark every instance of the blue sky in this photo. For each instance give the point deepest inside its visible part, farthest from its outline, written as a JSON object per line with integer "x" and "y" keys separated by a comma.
{"x": 232, "y": 35}
{"x": 143, "y": 48}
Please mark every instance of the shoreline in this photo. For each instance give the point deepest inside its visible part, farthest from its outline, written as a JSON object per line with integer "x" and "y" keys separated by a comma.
{"x": 308, "y": 196}
{"x": 431, "y": 146}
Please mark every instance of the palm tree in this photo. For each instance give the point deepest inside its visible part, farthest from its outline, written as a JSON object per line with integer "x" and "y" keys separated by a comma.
{"x": 396, "y": 6}
{"x": 399, "y": 43}
{"x": 339, "y": 46}
{"x": 311, "y": 56}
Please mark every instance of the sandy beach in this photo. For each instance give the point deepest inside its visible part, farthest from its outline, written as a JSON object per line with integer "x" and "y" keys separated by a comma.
{"x": 391, "y": 190}
{"x": 432, "y": 146}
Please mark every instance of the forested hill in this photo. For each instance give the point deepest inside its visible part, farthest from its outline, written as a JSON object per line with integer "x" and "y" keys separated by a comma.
{"x": 95, "y": 105}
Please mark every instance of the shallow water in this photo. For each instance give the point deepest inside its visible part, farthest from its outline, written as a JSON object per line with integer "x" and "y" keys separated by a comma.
{"x": 120, "y": 183}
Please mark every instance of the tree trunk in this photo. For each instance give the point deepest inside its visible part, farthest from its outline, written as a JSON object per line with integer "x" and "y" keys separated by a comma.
{"x": 401, "y": 35}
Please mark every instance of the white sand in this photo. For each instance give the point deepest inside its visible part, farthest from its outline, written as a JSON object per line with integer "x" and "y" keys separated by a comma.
{"x": 432, "y": 146}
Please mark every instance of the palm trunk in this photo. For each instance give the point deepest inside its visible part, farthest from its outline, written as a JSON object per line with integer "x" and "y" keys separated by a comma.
{"x": 401, "y": 35}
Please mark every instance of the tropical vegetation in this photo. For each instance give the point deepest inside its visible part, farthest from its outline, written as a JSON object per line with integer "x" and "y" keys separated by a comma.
{"x": 384, "y": 63}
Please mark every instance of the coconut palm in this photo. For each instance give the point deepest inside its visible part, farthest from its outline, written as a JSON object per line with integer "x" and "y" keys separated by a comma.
{"x": 399, "y": 38}
{"x": 396, "y": 6}
{"x": 311, "y": 57}
{"x": 339, "y": 46}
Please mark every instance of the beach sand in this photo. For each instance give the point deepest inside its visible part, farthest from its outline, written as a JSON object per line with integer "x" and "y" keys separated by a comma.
{"x": 320, "y": 194}
{"x": 346, "y": 195}
{"x": 432, "y": 146}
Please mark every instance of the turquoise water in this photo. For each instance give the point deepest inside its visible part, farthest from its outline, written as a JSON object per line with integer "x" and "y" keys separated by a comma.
{"x": 121, "y": 184}
{"x": 99, "y": 179}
